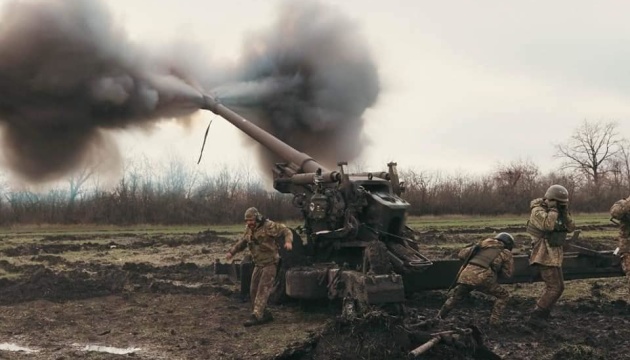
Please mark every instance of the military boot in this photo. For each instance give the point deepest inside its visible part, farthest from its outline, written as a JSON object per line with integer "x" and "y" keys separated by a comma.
{"x": 539, "y": 318}
{"x": 253, "y": 320}
{"x": 267, "y": 317}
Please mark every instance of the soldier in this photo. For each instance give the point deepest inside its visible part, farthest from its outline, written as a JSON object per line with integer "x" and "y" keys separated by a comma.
{"x": 620, "y": 211}
{"x": 483, "y": 263}
{"x": 548, "y": 224}
{"x": 259, "y": 237}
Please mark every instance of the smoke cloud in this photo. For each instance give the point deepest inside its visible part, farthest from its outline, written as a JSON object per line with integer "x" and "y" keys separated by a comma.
{"x": 69, "y": 75}
{"x": 308, "y": 80}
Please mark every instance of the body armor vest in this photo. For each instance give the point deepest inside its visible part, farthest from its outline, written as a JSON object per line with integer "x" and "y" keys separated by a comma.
{"x": 555, "y": 238}
{"x": 485, "y": 257}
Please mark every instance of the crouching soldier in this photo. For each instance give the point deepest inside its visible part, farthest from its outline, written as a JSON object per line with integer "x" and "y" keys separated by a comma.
{"x": 483, "y": 264}
{"x": 259, "y": 237}
{"x": 620, "y": 211}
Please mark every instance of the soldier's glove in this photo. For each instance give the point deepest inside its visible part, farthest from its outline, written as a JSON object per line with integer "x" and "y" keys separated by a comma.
{"x": 563, "y": 211}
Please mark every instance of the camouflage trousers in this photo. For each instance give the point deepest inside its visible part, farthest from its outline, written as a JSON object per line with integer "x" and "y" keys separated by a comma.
{"x": 625, "y": 265}
{"x": 261, "y": 287}
{"x": 462, "y": 290}
{"x": 554, "y": 286}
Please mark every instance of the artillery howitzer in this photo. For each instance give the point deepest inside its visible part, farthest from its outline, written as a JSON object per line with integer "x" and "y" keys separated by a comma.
{"x": 354, "y": 224}
{"x": 358, "y": 247}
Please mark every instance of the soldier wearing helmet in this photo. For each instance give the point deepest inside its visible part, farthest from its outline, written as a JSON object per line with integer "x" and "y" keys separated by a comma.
{"x": 548, "y": 225}
{"x": 483, "y": 264}
{"x": 260, "y": 237}
{"x": 620, "y": 213}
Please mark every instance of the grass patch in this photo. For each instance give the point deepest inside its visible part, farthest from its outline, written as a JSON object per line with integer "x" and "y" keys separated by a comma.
{"x": 416, "y": 222}
{"x": 466, "y": 221}
{"x": 9, "y": 275}
{"x": 461, "y": 221}
{"x": 613, "y": 288}
{"x": 86, "y": 229}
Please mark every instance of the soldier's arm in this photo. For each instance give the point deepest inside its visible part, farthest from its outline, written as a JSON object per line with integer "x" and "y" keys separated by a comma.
{"x": 619, "y": 209}
{"x": 463, "y": 253}
{"x": 544, "y": 219}
{"x": 238, "y": 247}
{"x": 507, "y": 267}
{"x": 569, "y": 223}
{"x": 288, "y": 235}
{"x": 277, "y": 229}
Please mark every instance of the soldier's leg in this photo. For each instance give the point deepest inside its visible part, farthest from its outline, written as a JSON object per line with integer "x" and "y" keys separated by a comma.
{"x": 253, "y": 286}
{"x": 554, "y": 287}
{"x": 265, "y": 287}
{"x": 459, "y": 293}
{"x": 502, "y": 298}
{"x": 625, "y": 265}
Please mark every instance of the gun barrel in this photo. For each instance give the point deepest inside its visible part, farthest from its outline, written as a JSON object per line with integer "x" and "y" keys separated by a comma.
{"x": 303, "y": 162}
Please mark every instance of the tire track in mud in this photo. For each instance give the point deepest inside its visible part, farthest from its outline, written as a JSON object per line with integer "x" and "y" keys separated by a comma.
{"x": 87, "y": 280}
{"x": 81, "y": 280}
{"x": 134, "y": 242}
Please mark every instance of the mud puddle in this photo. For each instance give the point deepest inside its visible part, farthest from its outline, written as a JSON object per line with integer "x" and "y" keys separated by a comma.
{"x": 107, "y": 349}
{"x": 16, "y": 348}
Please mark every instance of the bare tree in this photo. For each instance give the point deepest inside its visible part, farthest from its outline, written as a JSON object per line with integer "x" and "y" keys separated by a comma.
{"x": 591, "y": 149}
{"x": 77, "y": 180}
{"x": 622, "y": 164}
{"x": 515, "y": 185}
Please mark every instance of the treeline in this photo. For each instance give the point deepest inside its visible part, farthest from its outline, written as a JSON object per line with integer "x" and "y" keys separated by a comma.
{"x": 180, "y": 195}
{"x": 508, "y": 189}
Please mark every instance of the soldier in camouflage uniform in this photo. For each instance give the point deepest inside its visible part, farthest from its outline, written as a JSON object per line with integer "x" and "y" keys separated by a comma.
{"x": 548, "y": 225}
{"x": 259, "y": 237}
{"x": 620, "y": 211}
{"x": 483, "y": 264}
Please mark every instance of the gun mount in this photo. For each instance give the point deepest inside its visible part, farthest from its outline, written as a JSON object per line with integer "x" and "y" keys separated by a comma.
{"x": 357, "y": 246}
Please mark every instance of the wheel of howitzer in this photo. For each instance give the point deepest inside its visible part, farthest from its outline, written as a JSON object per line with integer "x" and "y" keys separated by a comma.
{"x": 376, "y": 260}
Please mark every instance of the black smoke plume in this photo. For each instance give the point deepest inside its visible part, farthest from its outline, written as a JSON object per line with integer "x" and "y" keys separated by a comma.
{"x": 308, "y": 80}
{"x": 68, "y": 72}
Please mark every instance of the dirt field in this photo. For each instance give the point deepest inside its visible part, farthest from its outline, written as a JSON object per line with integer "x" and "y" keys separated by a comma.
{"x": 148, "y": 295}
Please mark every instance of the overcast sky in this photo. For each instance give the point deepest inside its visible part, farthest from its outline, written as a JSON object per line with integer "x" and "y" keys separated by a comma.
{"x": 465, "y": 84}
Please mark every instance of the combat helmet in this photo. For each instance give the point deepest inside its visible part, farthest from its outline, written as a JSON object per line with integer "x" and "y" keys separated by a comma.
{"x": 506, "y": 239}
{"x": 253, "y": 213}
{"x": 558, "y": 193}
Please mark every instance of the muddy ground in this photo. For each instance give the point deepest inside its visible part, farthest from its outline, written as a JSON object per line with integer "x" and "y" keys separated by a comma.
{"x": 134, "y": 295}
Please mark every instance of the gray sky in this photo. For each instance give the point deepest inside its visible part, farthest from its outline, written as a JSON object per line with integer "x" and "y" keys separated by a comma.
{"x": 466, "y": 85}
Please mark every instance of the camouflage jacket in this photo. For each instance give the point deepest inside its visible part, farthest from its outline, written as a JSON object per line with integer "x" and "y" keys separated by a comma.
{"x": 547, "y": 220}
{"x": 502, "y": 265}
{"x": 620, "y": 211}
{"x": 261, "y": 242}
